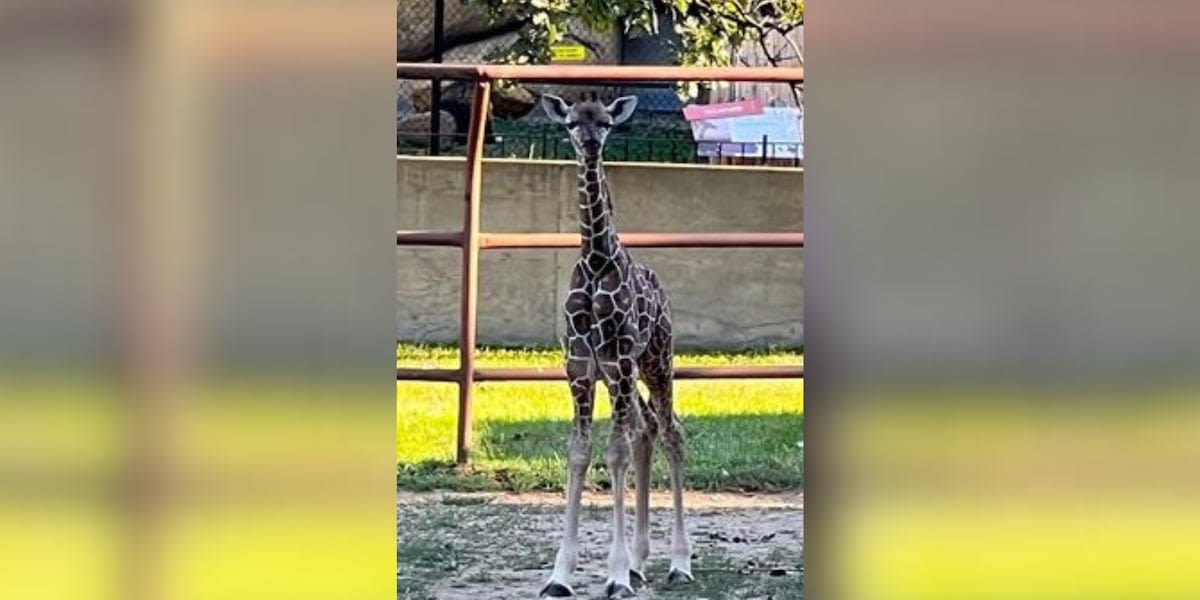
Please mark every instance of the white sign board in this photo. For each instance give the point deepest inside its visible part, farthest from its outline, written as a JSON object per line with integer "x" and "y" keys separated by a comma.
{"x": 742, "y": 136}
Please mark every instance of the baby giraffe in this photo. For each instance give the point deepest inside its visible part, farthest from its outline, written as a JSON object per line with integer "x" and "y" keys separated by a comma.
{"x": 618, "y": 330}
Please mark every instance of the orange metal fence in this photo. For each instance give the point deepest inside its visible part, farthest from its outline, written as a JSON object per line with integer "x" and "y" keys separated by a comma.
{"x": 471, "y": 240}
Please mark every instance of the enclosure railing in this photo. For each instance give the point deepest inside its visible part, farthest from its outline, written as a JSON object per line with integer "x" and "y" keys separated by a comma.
{"x": 471, "y": 240}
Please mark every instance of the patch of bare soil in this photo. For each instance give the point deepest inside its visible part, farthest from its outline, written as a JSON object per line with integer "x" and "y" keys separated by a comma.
{"x": 493, "y": 546}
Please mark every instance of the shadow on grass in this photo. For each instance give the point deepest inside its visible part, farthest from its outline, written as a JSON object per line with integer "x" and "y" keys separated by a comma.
{"x": 757, "y": 452}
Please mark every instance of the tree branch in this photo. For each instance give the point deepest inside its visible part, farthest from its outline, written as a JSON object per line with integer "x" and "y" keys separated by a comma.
{"x": 795, "y": 48}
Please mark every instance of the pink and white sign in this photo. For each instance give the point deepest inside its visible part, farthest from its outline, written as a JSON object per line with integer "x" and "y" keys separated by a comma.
{"x": 780, "y": 129}
{"x": 723, "y": 110}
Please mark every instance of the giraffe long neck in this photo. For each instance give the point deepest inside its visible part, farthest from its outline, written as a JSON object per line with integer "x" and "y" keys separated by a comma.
{"x": 596, "y": 222}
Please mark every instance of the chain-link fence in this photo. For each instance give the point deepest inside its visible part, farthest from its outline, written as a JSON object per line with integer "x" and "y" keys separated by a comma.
{"x": 454, "y": 31}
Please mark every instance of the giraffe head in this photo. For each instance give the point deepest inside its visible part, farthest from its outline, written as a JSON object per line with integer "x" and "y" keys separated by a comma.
{"x": 588, "y": 121}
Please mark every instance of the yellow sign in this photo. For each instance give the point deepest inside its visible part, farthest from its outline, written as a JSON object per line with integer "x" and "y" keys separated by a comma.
{"x": 568, "y": 53}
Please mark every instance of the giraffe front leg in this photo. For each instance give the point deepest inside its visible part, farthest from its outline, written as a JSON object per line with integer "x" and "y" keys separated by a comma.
{"x": 568, "y": 551}
{"x": 578, "y": 460}
{"x": 624, "y": 394}
{"x": 619, "y": 561}
{"x": 643, "y": 448}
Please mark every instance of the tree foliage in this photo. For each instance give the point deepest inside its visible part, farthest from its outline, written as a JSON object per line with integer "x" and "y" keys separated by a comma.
{"x": 709, "y": 31}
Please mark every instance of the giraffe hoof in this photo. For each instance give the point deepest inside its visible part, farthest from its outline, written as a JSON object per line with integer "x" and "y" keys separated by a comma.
{"x": 677, "y": 576}
{"x": 635, "y": 576}
{"x": 555, "y": 589}
{"x": 618, "y": 590}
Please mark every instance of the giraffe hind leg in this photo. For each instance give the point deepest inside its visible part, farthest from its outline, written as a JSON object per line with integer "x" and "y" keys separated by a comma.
{"x": 658, "y": 371}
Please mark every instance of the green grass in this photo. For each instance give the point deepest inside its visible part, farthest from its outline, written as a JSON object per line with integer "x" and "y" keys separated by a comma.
{"x": 742, "y": 435}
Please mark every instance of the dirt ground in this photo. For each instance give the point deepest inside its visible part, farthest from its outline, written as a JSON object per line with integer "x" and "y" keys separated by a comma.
{"x": 490, "y": 546}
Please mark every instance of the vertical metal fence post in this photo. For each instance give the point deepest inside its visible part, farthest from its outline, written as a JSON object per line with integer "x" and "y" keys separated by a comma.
{"x": 470, "y": 269}
{"x": 435, "y": 87}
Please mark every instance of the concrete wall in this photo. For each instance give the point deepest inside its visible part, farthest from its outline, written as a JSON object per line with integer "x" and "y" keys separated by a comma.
{"x": 720, "y": 297}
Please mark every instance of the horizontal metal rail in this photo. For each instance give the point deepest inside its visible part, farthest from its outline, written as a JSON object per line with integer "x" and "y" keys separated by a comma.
{"x": 453, "y": 239}
{"x": 529, "y": 241}
{"x": 598, "y": 73}
{"x": 535, "y": 374}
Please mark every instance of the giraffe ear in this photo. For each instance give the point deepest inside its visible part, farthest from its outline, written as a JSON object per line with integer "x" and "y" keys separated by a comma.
{"x": 556, "y": 108}
{"x": 622, "y": 108}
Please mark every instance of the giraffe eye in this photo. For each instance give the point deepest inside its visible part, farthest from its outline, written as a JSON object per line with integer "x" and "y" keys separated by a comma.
{"x": 604, "y": 125}
{"x": 572, "y": 124}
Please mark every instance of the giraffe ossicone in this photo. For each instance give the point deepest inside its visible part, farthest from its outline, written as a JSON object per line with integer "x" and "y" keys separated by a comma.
{"x": 619, "y": 330}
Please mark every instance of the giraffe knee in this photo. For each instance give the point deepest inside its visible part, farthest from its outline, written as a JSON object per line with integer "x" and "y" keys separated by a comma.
{"x": 618, "y": 452}
{"x": 643, "y": 443}
{"x": 643, "y": 447}
{"x": 648, "y": 434}
{"x": 653, "y": 428}
{"x": 674, "y": 451}
{"x": 671, "y": 426}
{"x": 673, "y": 439}
{"x": 579, "y": 453}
